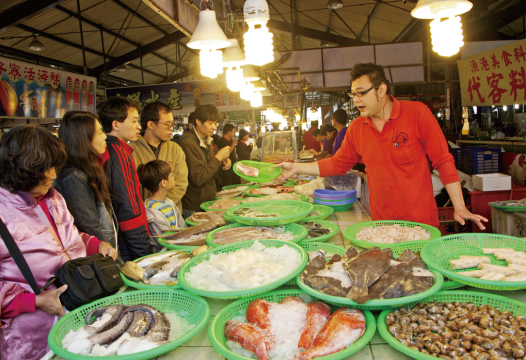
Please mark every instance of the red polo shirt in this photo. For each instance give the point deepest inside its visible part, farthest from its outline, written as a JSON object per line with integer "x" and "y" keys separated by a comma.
{"x": 309, "y": 141}
{"x": 398, "y": 173}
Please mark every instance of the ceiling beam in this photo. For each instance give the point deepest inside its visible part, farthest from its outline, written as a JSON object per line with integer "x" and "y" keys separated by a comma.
{"x": 137, "y": 53}
{"x": 195, "y": 70}
{"x": 38, "y": 59}
{"x": 315, "y": 34}
{"x": 18, "y": 13}
{"x": 370, "y": 18}
{"x": 77, "y": 46}
{"x": 114, "y": 34}
{"x": 145, "y": 20}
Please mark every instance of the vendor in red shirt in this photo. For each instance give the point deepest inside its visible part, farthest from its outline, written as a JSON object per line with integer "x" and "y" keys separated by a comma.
{"x": 394, "y": 139}
{"x": 309, "y": 142}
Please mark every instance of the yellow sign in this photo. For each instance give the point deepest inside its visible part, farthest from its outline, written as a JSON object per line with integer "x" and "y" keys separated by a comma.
{"x": 494, "y": 77}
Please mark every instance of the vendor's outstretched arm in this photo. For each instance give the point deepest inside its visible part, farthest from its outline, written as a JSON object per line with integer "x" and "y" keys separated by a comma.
{"x": 461, "y": 212}
{"x": 291, "y": 169}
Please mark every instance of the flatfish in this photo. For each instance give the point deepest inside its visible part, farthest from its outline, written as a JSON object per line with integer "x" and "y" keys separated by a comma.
{"x": 364, "y": 270}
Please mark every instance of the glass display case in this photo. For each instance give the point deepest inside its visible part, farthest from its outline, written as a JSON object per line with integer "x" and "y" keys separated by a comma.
{"x": 279, "y": 146}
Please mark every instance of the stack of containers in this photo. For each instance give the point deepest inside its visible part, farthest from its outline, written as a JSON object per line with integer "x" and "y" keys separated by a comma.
{"x": 338, "y": 200}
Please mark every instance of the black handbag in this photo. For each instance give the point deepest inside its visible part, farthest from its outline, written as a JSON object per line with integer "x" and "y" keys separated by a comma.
{"x": 88, "y": 278}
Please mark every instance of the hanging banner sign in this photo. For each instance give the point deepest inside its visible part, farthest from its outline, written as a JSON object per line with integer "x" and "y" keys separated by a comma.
{"x": 32, "y": 91}
{"x": 494, "y": 77}
{"x": 184, "y": 97}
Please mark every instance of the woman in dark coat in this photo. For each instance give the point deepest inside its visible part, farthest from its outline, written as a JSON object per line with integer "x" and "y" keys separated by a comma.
{"x": 242, "y": 149}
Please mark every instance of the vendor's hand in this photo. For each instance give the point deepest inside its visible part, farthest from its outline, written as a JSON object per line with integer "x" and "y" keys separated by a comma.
{"x": 234, "y": 143}
{"x": 223, "y": 153}
{"x": 49, "y": 301}
{"x": 289, "y": 170}
{"x": 227, "y": 163}
{"x": 463, "y": 214}
{"x": 107, "y": 250}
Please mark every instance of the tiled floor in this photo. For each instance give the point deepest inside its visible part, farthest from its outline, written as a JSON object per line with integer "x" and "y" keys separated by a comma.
{"x": 199, "y": 348}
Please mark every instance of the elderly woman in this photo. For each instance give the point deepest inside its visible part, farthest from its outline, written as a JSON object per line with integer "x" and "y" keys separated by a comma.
{"x": 37, "y": 218}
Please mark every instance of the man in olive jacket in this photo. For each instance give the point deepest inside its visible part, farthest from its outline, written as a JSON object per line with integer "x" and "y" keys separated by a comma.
{"x": 157, "y": 122}
{"x": 202, "y": 164}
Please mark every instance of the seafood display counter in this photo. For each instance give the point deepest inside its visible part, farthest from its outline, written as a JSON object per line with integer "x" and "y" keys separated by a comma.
{"x": 381, "y": 344}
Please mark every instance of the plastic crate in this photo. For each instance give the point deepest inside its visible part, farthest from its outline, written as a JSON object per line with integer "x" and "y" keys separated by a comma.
{"x": 476, "y": 160}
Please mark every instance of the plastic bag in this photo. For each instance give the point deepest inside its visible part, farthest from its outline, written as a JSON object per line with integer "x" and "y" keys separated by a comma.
{"x": 348, "y": 181}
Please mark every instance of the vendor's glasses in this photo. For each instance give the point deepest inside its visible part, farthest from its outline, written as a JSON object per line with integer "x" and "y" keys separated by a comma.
{"x": 359, "y": 94}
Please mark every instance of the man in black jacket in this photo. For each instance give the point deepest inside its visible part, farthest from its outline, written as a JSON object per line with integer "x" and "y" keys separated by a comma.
{"x": 119, "y": 117}
{"x": 228, "y": 176}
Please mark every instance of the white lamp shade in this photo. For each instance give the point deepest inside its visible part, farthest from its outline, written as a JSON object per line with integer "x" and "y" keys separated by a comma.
{"x": 249, "y": 74}
{"x": 208, "y": 34}
{"x": 256, "y": 10}
{"x": 233, "y": 56}
{"x": 432, "y": 9}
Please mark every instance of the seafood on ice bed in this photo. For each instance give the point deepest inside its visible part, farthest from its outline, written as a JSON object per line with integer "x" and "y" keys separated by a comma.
{"x": 295, "y": 328}
{"x": 244, "y": 268}
{"x": 122, "y": 329}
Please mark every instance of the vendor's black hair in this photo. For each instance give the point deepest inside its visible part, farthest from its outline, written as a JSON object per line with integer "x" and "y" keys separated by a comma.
{"x": 376, "y": 74}
{"x": 315, "y": 132}
{"x": 326, "y": 128}
{"x": 340, "y": 116}
{"x": 242, "y": 134}
{"x": 314, "y": 123}
{"x": 228, "y": 128}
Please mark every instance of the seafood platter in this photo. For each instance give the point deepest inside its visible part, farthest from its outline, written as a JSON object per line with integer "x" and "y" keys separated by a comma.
{"x": 270, "y": 213}
{"x": 281, "y": 197}
{"x": 158, "y": 270}
{"x": 204, "y": 217}
{"x": 263, "y": 190}
{"x": 458, "y": 325}
{"x": 238, "y": 232}
{"x": 242, "y": 269}
{"x": 319, "y": 230}
{"x": 130, "y": 326}
{"x": 383, "y": 233}
{"x": 190, "y": 237}
{"x": 487, "y": 261}
{"x": 260, "y": 172}
{"x": 372, "y": 279}
{"x": 289, "y": 324}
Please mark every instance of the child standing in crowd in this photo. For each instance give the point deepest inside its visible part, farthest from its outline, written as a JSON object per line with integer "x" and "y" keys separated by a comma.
{"x": 163, "y": 215}
{"x": 119, "y": 117}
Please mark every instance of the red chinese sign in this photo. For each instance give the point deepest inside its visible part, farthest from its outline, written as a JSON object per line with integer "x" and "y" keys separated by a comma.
{"x": 494, "y": 77}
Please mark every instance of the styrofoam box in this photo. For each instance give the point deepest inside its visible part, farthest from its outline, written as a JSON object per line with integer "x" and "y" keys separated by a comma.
{"x": 492, "y": 182}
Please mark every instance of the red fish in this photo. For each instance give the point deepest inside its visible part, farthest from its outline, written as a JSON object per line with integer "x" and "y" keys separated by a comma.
{"x": 248, "y": 337}
{"x": 257, "y": 313}
{"x": 291, "y": 299}
{"x": 344, "y": 327}
{"x": 317, "y": 315}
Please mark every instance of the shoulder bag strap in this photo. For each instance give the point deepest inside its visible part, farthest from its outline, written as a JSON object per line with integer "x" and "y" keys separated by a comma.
{"x": 18, "y": 257}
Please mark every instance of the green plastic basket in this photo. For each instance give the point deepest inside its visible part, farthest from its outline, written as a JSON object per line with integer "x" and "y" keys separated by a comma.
{"x": 507, "y": 208}
{"x": 175, "y": 247}
{"x": 299, "y": 232}
{"x": 417, "y": 246}
{"x": 438, "y": 252}
{"x": 190, "y": 223}
{"x": 206, "y": 205}
{"x": 181, "y": 276}
{"x": 323, "y": 211}
{"x": 267, "y": 171}
{"x": 329, "y": 249}
{"x": 248, "y": 193}
{"x": 477, "y": 298}
{"x": 144, "y": 286}
{"x": 288, "y": 211}
{"x": 334, "y": 229}
{"x": 192, "y": 308}
{"x": 374, "y": 304}
{"x": 351, "y": 231}
{"x": 216, "y": 330}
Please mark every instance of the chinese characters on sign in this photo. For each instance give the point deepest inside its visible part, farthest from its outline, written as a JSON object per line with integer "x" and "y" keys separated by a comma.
{"x": 494, "y": 77}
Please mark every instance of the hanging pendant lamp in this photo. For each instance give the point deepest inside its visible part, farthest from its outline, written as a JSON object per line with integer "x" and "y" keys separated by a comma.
{"x": 208, "y": 37}
{"x": 432, "y": 9}
{"x": 259, "y": 49}
{"x": 233, "y": 58}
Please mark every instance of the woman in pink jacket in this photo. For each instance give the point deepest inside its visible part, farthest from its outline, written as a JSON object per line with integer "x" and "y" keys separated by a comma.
{"x": 41, "y": 225}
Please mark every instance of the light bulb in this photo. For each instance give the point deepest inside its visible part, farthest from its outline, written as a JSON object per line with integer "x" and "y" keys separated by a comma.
{"x": 505, "y": 108}
{"x": 211, "y": 62}
{"x": 258, "y": 44}
{"x": 263, "y": 128}
{"x": 256, "y": 100}
{"x": 246, "y": 91}
{"x": 447, "y": 36}
{"x": 234, "y": 78}
{"x": 516, "y": 106}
